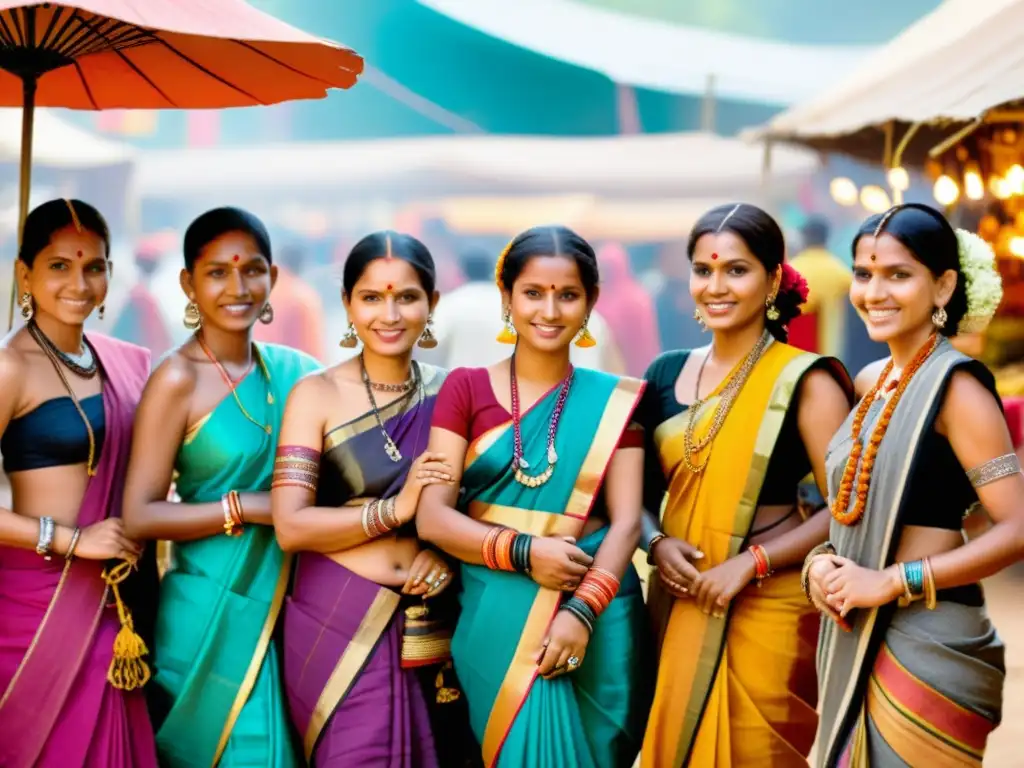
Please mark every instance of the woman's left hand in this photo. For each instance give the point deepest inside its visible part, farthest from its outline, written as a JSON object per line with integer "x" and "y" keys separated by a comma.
{"x": 429, "y": 575}
{"x": 566, "y": 640}
{"x": 717, "y": 586}
{"x": 852, "y": 586}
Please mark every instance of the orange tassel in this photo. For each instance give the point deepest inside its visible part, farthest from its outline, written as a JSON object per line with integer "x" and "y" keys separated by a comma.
{"x": 507, "y": 335}
{"x": 586, "y": 339}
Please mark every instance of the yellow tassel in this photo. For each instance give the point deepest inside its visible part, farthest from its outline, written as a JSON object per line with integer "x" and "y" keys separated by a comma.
{"x": 586, "y": 339}
{"x": 127, "y": 670}
{"x": 507, "y": 335}
{"x": 445, "y": 695}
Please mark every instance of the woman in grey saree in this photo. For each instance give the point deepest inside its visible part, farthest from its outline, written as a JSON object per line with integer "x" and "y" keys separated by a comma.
{"x": 910, "y": 668}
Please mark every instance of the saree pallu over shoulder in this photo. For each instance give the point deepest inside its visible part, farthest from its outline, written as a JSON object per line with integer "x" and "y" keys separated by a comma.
{"x": 696, "y": 703}
{"x": 905, "y": 686}
{"x": 57, "y": 707}
{"x": 217, "y": 675}
{"x": 595, "y": 715}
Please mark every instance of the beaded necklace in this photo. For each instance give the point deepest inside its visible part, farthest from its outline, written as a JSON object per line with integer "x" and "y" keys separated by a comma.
{"x": 82, "y": 365}
{"x": 518, "y": 461}
{"x": 841, "y": 510}
{"x": 233, "y": 384}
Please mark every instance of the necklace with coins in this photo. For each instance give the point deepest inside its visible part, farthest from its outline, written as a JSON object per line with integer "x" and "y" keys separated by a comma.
{"x": 86, "y": 369}
{"x": 232, "y": 384}
{"x": 693, "y": 445}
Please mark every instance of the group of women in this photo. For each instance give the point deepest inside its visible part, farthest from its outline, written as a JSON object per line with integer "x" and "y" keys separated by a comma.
{"x": 319, "y": 518}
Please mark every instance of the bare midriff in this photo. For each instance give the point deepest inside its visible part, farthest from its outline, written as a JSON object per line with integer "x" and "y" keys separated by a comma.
{"x": 55, "y": 492}
{"x": 385, "y": 561}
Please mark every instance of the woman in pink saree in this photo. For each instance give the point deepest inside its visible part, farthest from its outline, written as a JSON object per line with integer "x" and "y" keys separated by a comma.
{"x": 66, "y": 407}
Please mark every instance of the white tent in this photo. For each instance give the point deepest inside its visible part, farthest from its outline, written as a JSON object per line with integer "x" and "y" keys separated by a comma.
{"x": 59, "y": 144}
{"x": 951, "y": 68}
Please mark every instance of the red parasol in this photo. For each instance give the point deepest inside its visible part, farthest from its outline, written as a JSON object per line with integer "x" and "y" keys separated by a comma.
{"x": 156, "y": 54}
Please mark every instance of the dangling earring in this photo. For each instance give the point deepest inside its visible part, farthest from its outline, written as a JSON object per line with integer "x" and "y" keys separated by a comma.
{"x": 428, "y": 340}
{"x": 772, "y": 312}
{"x": 27, "y": 310}
{"x": 700, "y": 319}
{"x": 585, "y": 338}
{"x": 508, "y": 333}
{"x": 267, "y": 314}
{"x": 101, "y": 311}
{"x": 193, "y": 320}
{"x": 350, "y": 339}
{"x": 939, "y": 317}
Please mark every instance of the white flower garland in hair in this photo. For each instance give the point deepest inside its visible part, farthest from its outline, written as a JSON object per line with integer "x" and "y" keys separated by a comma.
{"x": 984, "y": 283}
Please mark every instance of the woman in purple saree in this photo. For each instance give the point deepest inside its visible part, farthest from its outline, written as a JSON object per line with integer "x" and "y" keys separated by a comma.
{"x": 66, "y": 413}
{"x": 349, "y": 469}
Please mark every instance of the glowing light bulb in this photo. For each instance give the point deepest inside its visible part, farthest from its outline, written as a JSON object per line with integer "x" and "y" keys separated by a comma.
{"x": 874, "y": 199}
{"x": 843, "y": 191}
{"x": 899, "y": 178}
{"x": 974, "y": 186}
{"x": 946, "y": 190}
{"x": 1015, "y": 178}
{"x": 999, "y": 187}
{"x": 1016, "y": 246}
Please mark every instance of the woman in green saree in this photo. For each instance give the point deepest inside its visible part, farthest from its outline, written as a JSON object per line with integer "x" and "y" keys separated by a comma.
{"x": 209, "y": 420}
{"x": 552, "y": 646}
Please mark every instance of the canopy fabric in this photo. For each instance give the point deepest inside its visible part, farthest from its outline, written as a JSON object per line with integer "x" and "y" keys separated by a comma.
{"x": 59, "y": 144}
{"x": 638, "y": 51}
{"x": 948, "y": 69}
{"x": 683, "y": 164}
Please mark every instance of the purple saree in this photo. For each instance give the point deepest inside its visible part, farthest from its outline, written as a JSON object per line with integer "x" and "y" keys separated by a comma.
{"x": 57, "y": 708}
{"x": 350, "y": 700}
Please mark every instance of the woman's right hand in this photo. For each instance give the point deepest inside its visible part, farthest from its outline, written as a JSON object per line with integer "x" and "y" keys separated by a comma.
{"x": 106, "y": 540}
{"x": 822, "y": 566}
{"x": 672, "y": 558}
{"x": 557, "y": 563}
{"x": 427, "y": 469}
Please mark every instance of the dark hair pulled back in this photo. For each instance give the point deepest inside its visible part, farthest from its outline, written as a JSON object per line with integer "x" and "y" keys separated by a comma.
{"x": 388, "y": 244}
{"x": 554, "y": 240}
{"x": 930, "y": 238}
{"x": 764, "y": 239}
{"x": 46, "y": 219}
{"x": 220, "y": 221}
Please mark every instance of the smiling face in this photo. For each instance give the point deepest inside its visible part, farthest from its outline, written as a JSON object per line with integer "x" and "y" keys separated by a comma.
{"x": 893, "y": 292}
{"x": 728, "y": 283}
{"x": 230, "y": 282}
{"x": 389, "y": 307}
{"x": 549, "y": 302}
{"x": 68, "y": 278}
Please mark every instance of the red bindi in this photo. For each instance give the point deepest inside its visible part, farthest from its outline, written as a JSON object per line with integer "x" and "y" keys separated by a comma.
{"x": 78, "y": 254}
{"x": 236, "y": 257}
{"x": 389, "y": 287}
{"x": 714, "y": 256}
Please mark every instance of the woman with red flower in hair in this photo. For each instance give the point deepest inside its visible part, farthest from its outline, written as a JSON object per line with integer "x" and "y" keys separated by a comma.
{"x": 732, "y": 429}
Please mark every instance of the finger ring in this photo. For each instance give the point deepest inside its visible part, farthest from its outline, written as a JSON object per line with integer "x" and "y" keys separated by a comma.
{"x": 443, "y": 576}
{"x": 435, "y": 584}
{"x": 573, "y": 662}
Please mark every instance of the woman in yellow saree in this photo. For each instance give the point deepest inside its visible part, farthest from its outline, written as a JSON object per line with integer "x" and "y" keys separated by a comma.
{"x": 732, "y": 430}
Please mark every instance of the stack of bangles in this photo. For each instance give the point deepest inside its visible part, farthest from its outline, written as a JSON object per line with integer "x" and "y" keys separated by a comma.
{"x": 505, "y": 549}
{"x": 592, "y": 596}
{"x": 805, "y": 573}
{"x": 762, "y": 563}
{"x": 380, "y": 517}
{"x": 918, "y": 583}
{"x": 233, "y": 520}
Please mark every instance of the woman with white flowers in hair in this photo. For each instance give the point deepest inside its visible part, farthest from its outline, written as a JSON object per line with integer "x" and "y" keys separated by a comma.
{"x": 911, "y": 670}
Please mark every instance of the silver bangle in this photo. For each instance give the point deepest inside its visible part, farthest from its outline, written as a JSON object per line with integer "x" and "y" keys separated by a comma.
{"x": 994, "y": 469}
{"x": 44, "y": 543}
{"x": 74, "y": 543}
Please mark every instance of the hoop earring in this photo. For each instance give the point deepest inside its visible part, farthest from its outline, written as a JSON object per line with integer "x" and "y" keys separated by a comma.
{"x": 940, "y": 317}
{"x": 585, "y": 339}
{"x": 508, "y": 333}
{"x": 700, "y": 319}
{"x": 193, "y": 320}
{"x": 27, "y": 310}
{"x": 101, "y": 310}
{"x": 772, "y": 312}
{"x": 350, "y": 339}
{"x": 267, "y": 314}
{"x": 428, "y": 340}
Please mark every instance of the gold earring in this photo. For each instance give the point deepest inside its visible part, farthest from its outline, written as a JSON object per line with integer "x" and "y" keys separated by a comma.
{"x": 508, "y": 333}
{"x": 350, "y": 339}
{"x": 193, "y": 320}
{"x": 267, "y": 314}
{"x": 428, "y": 340}
{"x": 585, "y": 339}
{"x": 772, "y": 312}
{"x": 940, "y": 317}
{"x": 101, "y": 311}
{"x": 27, "y": 310}
{"x": 700, "y": 319}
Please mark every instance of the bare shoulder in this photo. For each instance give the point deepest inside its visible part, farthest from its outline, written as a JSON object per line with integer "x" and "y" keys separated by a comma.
{"x": 820, "y": 384}
{"x": 13, "y": 367}
{"x": 314, "y": 385}
{"x": 967, "y": 399}
{"x": 175, "y": 378}
{"x": 868, "y": 375}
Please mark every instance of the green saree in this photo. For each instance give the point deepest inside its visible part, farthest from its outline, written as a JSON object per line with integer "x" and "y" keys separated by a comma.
{"x": 217, "y": 671}
{"x": 595, "y": 716}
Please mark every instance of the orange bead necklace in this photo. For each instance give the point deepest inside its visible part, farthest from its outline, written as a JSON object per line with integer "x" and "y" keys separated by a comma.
{"x": 841, "y": 510}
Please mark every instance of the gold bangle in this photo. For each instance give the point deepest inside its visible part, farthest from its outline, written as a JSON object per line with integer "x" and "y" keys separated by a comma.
{"x": 74, "y": 543}
{"x": 930, "y": 596}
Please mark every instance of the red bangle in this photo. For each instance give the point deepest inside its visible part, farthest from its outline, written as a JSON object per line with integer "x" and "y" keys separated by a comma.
{"x": 762, "y": 563}
{"x": 598, "y": 589}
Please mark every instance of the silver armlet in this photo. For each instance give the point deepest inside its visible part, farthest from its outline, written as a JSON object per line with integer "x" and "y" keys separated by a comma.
{"x": 995, "y": 469}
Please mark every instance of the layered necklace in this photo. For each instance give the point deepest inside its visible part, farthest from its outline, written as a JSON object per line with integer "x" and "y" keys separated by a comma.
{"x": 519, "y": 463}
{"x": 842, "y": 512}
{"x": 413, "y": 382}
{"x": 83, "y": 366}
{"x": 232, "y": 384}
{"x": 692, "y": 445}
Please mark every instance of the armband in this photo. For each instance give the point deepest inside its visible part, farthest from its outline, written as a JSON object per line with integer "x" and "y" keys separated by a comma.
{"x": 995, "y": 469}
{"x": 298, "y": 466}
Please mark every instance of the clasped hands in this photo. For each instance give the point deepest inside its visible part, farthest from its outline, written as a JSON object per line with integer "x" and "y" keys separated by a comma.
{"x": 712, "y": 589}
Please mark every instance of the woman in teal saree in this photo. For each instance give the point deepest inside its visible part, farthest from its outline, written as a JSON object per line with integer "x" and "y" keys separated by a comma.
{"x": 552, "y": 646}
{"x": 209, "y": 418}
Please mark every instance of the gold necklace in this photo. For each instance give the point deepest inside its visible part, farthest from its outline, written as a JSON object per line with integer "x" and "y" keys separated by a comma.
{"x": 268, "y": 428}
{"x": 726, "y": 400}
{"x": 90, "y": 467}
